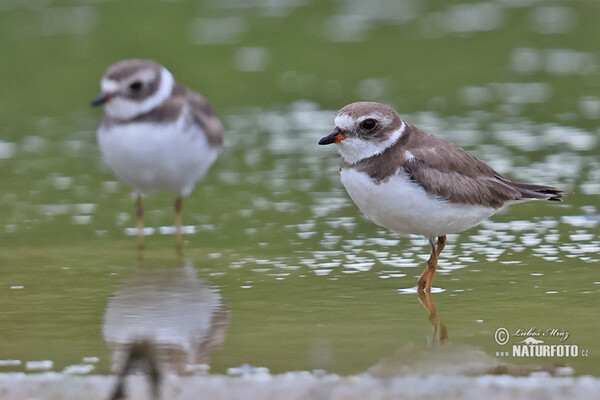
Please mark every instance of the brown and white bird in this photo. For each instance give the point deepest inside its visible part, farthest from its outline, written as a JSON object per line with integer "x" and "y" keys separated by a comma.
{"x": 412, "y": 182}
{"x": 156, "y": 134}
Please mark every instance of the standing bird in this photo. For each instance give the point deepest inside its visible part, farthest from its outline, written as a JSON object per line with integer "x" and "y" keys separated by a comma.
{"x": 156, "y": 134}
{"x": 412, "y": 182}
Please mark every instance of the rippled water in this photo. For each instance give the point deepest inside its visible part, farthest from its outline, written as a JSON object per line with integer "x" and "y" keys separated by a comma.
{"x": 280, "y": 271}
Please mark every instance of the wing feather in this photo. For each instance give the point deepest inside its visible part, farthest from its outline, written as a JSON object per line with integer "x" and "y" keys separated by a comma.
{"x": 202, "y": 114}
{"x": 450, "y": 172}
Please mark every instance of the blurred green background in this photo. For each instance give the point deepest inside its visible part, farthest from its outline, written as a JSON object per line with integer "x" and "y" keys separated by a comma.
{"x": 309, "y": 282}
{"x": 269, "y": 53}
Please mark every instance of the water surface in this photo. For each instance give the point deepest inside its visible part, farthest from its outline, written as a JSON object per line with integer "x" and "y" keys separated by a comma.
{"x": 283, "y": 271}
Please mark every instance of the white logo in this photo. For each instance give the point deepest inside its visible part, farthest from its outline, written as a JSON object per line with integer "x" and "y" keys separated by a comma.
{"x": 532, "y": 346}
{"x": 530, "y": 340}
{"x": 501, "y": 336}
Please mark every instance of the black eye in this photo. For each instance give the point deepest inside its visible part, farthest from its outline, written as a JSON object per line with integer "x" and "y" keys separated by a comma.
{"x": 137, "y": 85}
{"x": 368, "y": 124}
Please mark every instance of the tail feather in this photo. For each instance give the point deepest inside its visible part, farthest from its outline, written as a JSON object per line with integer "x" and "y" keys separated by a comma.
{"x": 532, "y": 191}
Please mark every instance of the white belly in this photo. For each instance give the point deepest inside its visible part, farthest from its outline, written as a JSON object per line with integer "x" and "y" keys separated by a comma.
{"x": 405, "y": 208}
{"x": 154, "y": 157}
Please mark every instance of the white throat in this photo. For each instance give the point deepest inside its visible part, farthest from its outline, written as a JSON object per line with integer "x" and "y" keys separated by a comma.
{"x": 125, "y": 109}
{"x": 353, "y": 150}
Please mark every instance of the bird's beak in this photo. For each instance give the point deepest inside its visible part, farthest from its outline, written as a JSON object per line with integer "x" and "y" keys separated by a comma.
{"x": 334, "y": 137}
{"x": 102, "y": 98}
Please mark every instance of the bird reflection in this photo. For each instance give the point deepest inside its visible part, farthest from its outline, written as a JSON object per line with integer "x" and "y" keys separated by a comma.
{"x": 441, "y": 357}
{"x": 440, "y": 331}
{"x": 140, "y": 356}
{"x": 179, "y": 250}
{"x": 170, "y": 309}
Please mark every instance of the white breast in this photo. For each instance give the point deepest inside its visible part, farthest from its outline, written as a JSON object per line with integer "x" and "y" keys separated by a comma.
{"x": 405, "y": 208}
{"x": 157, "y": 157}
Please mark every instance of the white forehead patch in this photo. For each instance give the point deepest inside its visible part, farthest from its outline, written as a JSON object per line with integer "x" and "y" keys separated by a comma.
{"x": 109, "y": 85}
{"x": 344, "y": 122}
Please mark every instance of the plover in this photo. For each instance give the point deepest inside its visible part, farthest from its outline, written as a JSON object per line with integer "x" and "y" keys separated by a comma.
{"x": 412, "y": 182}
{"x": 156, "y": 134}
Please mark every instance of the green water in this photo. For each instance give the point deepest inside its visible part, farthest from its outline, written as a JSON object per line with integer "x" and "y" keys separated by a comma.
{"x": 306, "y": 282}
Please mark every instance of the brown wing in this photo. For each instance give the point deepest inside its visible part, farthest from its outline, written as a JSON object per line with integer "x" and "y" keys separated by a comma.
{"x": 453, "y": 184}
{"x": 203, "y": 115}
{"x": 448, "y": 171}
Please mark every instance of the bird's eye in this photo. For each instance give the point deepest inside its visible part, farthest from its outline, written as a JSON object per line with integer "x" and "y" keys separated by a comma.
{"x": 368, "y": 124}
{"x": 137, "y": 85}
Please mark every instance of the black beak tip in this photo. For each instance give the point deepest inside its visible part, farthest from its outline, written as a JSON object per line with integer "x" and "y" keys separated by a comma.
{"x": 331, "y": 138}
{"x": 326, "y": 140}
{"x": 99, "y": 100}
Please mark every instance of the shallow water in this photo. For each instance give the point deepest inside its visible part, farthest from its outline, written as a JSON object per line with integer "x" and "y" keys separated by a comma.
{"x": 279, "y": 269}
{"x": 301, "y": 386}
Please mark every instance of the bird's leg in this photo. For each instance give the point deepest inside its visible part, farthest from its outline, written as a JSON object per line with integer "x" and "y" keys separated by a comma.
{"x": 178, "y": 238}
{"x": 139, "y": 212}
{"x": 441, "y": 243}
{"x": 426, "y": 278}
{"x": 178, "y": 206}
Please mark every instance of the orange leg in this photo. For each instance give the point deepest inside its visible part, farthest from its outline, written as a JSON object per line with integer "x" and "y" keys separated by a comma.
{"x": 139, "y": 212}
{"x": 441, "y": 243}
{"x": 178, "y": 207}
{"x": 426, "y": 279}
{"x": 178, "y": 238}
